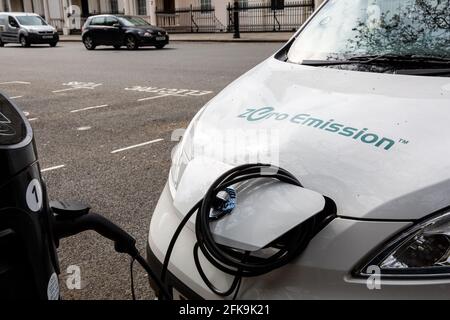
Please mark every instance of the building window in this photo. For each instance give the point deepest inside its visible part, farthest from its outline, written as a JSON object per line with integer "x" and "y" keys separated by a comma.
{"x": 114, "y": 6}
{"x": 205, "y": 5}
{"x": 142, "y": 7}
{"x": 169, "y": 6}
{"x": 243, "y": 4}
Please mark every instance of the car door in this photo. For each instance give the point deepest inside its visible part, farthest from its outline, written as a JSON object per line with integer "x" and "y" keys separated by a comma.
{"x": 112, "y": 31}
{"x": 2, "y": 26}
{"x": 12, "y": 28}
{"x": 96, "y": 30}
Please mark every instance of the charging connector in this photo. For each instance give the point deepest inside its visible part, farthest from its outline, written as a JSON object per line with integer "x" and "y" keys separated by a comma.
{"x": 73, "y": 218}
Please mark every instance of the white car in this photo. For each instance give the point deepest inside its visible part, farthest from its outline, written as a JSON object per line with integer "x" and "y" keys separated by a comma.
{"x": 356, "y": 106}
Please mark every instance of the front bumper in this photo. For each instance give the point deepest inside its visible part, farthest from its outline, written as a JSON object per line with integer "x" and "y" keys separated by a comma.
{"x": 151, "y": 41}
{"x": 323, "y": 271}
{"x": 35, "y": 38}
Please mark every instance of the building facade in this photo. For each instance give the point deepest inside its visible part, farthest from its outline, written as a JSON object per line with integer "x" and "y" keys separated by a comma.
{"x": 70, "y": 14}
{"x": 218, "y": 15}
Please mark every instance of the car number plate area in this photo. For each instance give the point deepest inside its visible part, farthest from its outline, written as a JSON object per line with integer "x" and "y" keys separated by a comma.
{"x": 160, "y": 38}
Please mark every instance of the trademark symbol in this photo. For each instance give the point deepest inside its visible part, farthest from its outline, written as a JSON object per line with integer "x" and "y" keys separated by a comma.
{"x": 403, "y": 141}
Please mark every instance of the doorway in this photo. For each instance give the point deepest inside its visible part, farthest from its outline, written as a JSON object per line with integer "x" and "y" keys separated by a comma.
{"x": 84, "y": 8}
{"x": 169, "y": 6}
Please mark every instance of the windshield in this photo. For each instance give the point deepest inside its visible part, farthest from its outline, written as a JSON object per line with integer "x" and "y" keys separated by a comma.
{"x": 348, "y": 28}
{"x": 133, "y": 21}
{"x": 31, "y": 21}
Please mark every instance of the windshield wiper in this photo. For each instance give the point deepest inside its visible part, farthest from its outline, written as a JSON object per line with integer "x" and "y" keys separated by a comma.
{"x": 424, "y": 72}
{"x": 383, "y": 58}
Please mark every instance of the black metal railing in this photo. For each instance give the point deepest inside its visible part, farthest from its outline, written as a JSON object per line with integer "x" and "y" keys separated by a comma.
{"x": 263, "y": 17}
{"x": 191, "y": 19}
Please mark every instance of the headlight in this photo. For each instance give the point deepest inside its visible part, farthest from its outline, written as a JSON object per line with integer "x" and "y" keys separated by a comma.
{"x": 422, "y": 251}
{"x": 147, "y": 34}
{"x": 183, "y": 154}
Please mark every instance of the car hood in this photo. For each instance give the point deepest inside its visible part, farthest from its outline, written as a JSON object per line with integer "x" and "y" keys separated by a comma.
{"x": 39, "y": 28}
{"x": 395, "y": 165}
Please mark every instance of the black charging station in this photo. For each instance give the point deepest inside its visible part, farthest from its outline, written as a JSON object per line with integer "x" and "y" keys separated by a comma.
{"x": 28, "y": 260}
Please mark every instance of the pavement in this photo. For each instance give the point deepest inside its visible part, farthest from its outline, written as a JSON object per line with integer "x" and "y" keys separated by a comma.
{"x": 214, "y": 37}
{"x": 103, "y": 122}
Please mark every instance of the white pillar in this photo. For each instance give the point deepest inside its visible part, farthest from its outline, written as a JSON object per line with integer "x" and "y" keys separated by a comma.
{"x": 127, "y": 5}
{"x": 2, "y": 6}
{"x": 103, "y": 6}
{"x": 27, "y": 6}
{"x": 46, "y": 10}
{"x": 151, "y": 11}
{"x": 8, "y": 5}
{"x": 38, "y": 7}
{"x": 133, "y": 10}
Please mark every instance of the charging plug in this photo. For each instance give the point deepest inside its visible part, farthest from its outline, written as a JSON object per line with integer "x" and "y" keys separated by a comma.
{"x": 224, "y": 203}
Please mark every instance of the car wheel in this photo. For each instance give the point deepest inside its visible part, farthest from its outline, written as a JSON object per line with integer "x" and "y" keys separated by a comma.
{"x": 53, "y": 44}
{"x": 24, "y": 42}
{"x": 131, "y": 43}
{"x": 160, "y": 46}
{"x": 89, "y": 43}
{"x": 2, "y": 44}
{"x": 117, "y": 47}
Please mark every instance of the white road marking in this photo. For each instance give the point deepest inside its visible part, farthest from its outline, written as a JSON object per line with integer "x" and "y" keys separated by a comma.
{"x": 137, "y": 145}
{"x": 33, "y": 119}
{"x": 89, "y": 108}
{"x": 157, "y": 97}
{"x": 84, "y": 128}
{"x": 70, "y": 89}
{"x": 53, "y": 168}
{"x": 77, "y": 85}
{"x": 26, "y": 113}
{"x": 16, "y": 97}
{"x": 165, "y": 92}
{"x": 15, "y": 82}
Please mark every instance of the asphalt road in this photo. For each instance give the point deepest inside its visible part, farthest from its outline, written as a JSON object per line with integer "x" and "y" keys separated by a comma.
{"x": 84, "y": 134}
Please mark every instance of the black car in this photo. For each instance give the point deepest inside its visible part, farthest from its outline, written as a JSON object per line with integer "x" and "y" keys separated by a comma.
{"x": 118, "y": 31}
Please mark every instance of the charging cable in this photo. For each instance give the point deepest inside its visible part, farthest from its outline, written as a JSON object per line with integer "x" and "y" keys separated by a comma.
{"x": 235, "y": 262}
{"x": 71, "y": 222}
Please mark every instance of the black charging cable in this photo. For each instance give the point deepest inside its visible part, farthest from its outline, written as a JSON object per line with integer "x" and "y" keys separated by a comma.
{"x": 239, "y": 263}
{"x": 67, "y": 225}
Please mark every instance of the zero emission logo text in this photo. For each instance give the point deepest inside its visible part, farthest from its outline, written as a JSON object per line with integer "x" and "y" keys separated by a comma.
{"x": 331, "y": 126}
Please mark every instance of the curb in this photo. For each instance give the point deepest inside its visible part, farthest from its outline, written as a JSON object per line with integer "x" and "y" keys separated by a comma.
{"x": 208, "y": 40}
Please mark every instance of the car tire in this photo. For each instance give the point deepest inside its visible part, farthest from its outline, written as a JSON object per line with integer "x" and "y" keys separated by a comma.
{"x": 160, "y": 46}
{"x": 131, "y": 43}
{"x": 53, "y": 44}
{"x": 2, "y": 44}
{"x": 24, "y": 42}
{"x": 89, "y": 43}
{"x": 117, "y": 47}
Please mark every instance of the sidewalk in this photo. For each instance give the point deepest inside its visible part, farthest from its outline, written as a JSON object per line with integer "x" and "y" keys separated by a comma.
{"x": 214, "y": 37}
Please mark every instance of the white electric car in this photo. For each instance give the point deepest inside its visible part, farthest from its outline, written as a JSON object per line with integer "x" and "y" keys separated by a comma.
{"x": 356, "y": 106}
